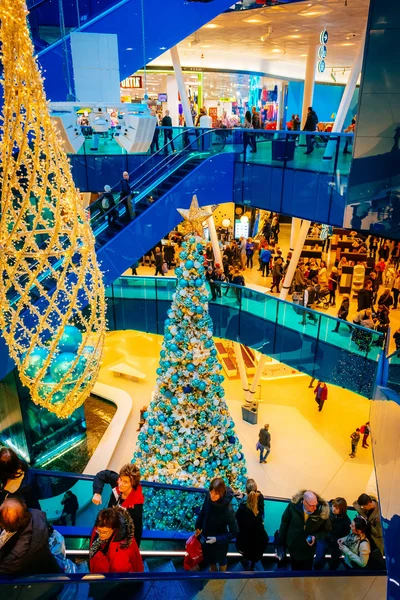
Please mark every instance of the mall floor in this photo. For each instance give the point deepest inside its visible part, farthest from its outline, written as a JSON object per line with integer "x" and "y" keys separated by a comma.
{"x": 309, "y": 448}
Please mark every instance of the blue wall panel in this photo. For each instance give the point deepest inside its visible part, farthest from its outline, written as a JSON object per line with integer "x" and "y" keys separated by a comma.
{"x": 325, "y": 102}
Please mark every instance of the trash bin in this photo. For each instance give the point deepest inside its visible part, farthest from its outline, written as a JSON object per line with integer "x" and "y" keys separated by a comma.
{"x": 249, "y": 415}
{"x": 283, "y": 149}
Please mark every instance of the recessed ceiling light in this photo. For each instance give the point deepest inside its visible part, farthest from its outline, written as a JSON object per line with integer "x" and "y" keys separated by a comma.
{"x": 129, "y": 48}
{"x": 206, "y": 46}
{"x": 347, "y": 44}
{"x": 163, "y": 48}
{"x": 276, "y": 50}
{"x": 211, "y": 26}
{"x": 253, "y": 20}
{"x": 303, "y": 54}
{"x": 294, "y": 36}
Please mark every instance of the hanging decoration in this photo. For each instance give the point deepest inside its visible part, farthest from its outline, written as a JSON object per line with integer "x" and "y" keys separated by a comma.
{"x": 51, "y": 289}
{"x": 189, "y": 436}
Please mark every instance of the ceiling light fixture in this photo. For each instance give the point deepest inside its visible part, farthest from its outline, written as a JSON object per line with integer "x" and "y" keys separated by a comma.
{"x": 276, "y": 50}
{"x": 211, "y": 26}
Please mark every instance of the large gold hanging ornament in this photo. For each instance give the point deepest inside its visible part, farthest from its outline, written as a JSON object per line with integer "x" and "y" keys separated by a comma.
{"x": 51, "y": 289}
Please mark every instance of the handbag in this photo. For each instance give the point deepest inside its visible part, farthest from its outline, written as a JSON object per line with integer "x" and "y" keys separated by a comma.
{"x": 194, "y": 553}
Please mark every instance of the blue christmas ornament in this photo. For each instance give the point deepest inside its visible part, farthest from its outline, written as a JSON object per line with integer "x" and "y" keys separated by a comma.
{"x": 187, "y": 389}
{"x": 183, "y": 283}
{"x": 189, "y": 264}
{"x": 70, "y": 339}
{"x": 175, "y": 378}
{"x": 199, "y": 310}
{"x": 190, "y": 367}
{"x": 35, "y": 361}
{"x": 61, "y": 364}
{"x": 198, "y": 282}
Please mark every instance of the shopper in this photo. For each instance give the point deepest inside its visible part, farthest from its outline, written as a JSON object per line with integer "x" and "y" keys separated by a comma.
{"x": 127, "y": 492}
{"x": 255, "y": 121}
{"x": 304, "y": 522}
{"x": 238, "y": 279}
{"x": 385, "y": 299}
{"x": 108, "y": 206}
{"x": 343, "y": 313}
{"x": 368, "y": 507}
{"x": 264, "y": 443}
{"x": 299, "y": 279}
{"x": 322, "y": 274}
{"x": 17, "y": 479}
{"x": 217, "y": 525}
{"x": 250, "y": 247}
{"x": 275, "y": 228}
{"x": 247, "y": 137}
{"x": 355, "y": 546}
{"x": 310, "y": 125}
{"x": 396, "y": 289}
{"x": 277, "y": 274}
{"x": 321, "y": 394}
{"x": 265, "y": 260}
{"x": 158, "y": 262}
{"x": 365, "y": 296}
{"x": 355, "y": 438}
{"x": 365, "y": 430}
{"x": 113, "y": 548}
{"x": 396, "y": 337}
{"x": 70, "y": 507}
{"x": 332, "y": 285}
{"x": 24, "y": 541}
{"x": 340, "y": 524}
{"x": 243, "y": 255}
{"x": 126, "y": 195}
{"x": 167, "y": 124}
{"x": 252, "y": 539}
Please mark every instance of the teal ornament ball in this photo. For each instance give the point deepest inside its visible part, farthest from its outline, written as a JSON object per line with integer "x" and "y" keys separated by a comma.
{"x": 61, "y": 364}
{"x": 199, "y": 310}
{"x": 189, "y": 264}
{"x": 88, "y": 351}
{"x": 45, "y": 388}
{"x": 35, "y": 362}
{"x": 70, "y": 340}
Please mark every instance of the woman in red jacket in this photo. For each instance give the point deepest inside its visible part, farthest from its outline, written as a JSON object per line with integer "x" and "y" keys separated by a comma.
{"x": 321, "y": 394}
{"x": 113, "y": 548}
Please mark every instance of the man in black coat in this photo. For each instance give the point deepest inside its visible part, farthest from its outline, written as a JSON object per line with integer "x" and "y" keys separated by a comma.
{"x": 365, "y": 297}
{"x": 126, "y": 194}
{"x": 167, "y": 123}
{"x": 159, "y": 262}
{"x": 24, "y": 540}
{"x": 304, "y": 522}
{"x": 264, "y": 443}
{"x": 310, "y": 125}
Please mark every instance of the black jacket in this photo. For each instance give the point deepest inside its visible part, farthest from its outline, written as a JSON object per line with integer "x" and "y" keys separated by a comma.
{"x": 294, "y": 531}
{"x": 27, "y": 552}
{"x": 28, "y": 491}
{"x": 158, "y": 259}
{"x": 166, "y": 121}
{"x": 340, "y": 525}
{"x": 264, "y": 437}
{"x": 364, "y": 299}
{"x": 252, "y": 539}
{"x": 125, "y": 188}
{"x": 217, "y": 519}
{"x": 311, "y": 122}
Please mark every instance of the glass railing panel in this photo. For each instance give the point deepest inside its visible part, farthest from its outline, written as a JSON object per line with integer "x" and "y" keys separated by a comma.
{"x": 394, "y": 371}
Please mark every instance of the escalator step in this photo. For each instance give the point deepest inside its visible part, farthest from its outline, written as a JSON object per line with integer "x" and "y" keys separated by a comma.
{"x": 171, "y": 590}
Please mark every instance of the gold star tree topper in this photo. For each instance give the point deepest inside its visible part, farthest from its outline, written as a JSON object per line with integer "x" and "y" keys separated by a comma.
{"x": 194, "y": 217}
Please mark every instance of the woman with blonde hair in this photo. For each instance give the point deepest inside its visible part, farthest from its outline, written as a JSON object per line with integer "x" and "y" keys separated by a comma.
{"x": 252, "y": 539}
{"x": 126, "y": 492}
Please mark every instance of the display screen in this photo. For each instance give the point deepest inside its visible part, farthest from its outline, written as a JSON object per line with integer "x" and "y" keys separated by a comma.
{"x": 162, "y": 97}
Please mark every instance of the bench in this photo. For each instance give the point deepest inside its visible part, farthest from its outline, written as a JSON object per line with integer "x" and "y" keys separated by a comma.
{"x": 124, "y": 370}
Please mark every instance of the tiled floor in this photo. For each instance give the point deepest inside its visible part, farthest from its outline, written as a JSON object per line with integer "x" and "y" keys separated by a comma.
{"x": 309, "y": 448}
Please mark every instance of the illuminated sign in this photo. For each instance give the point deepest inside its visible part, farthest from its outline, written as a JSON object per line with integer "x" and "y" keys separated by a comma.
{"x": 324, "y": 37}
{"x": 133, "y": 82}
{"x": 322, "y": 50}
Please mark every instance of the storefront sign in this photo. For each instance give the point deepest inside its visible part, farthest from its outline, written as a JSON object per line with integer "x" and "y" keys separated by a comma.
{"x": 322, "y": 50}
{"x": 227, "y": 99}
{"x": 213, "y": 113}
{"x": 133, "y": 82}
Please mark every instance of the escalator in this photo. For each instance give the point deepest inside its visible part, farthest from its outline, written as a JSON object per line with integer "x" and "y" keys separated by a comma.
{"x": 169, "y": 515}
{"x": 165, "y": 24}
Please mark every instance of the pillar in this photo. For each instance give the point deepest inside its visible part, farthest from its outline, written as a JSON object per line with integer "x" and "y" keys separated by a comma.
{"x": 347, "y": 97}
{"x": 173, "y": 100}
{"x": 294, "y": 232}
{"x": 200, "y": 100}
{"x": 241, "y": 367}
{"x": 280, "y": 106}
{"x": 181, "y": 86}
{"x": 309, "y": 80}
{"x": 295, "y": 259}
{"x": 257, "y": 376}
{"x": 214, "y": 240}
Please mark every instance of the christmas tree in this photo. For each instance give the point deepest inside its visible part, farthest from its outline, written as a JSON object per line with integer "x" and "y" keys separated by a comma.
{"x": 189, "y": 437}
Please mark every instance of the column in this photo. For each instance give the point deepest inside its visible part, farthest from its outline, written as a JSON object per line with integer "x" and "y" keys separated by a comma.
{"x": 257, "y": 376}
{"x": 345, "y": 102}
{"x": 280, "y": 106}
{"x": 295, "y": 258}
{"x": 242, "y": 369}
{"x": 181, "y": 86}
{"x": 200, "y": 100}
{"x": 309, "y": 80}
{"x": 214, "y": 239}
{"x": 294, "y": 232}
{"x": 173, "y": 100}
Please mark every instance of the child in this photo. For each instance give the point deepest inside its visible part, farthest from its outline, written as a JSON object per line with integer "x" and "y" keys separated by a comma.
{"x": 355, "y": 438}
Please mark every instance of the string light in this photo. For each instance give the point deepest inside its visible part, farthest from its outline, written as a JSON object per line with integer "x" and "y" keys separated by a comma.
{"x": 57, "y": 339}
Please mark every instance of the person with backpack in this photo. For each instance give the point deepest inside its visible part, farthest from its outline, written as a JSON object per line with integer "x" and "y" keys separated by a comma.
{"x": 355, "y": 546}
{"x": 108, "y": 206}
{"x": 159, "y": 262}
{"x": 365, "y": 430}
{"x": 265, "y": 260}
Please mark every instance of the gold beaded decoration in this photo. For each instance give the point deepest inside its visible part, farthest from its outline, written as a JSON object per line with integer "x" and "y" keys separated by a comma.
{"x": 51, "y": 288}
